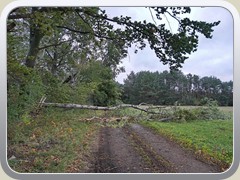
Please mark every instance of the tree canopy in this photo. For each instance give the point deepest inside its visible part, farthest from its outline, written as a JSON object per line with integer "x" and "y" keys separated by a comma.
{"x": 89, "y": 29}
{"x": 72, "y": 54}
{"x": 167, "y": 88}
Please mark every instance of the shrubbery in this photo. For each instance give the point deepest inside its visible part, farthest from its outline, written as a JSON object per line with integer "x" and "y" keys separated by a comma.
{"x": 24, "y": 95}
{"x": 209, "y": 111}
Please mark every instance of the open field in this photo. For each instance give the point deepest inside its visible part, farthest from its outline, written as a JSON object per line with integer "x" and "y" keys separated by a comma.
{"x": 212, "y": 139}
{"x": 228, "y": 109}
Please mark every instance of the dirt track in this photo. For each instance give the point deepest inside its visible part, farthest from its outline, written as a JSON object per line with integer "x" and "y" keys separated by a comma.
{"x": 136, "y": 149}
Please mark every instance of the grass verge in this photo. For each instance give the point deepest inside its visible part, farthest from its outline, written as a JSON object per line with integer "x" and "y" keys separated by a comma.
{"x": 54, "y": 142}
{"x": 212, "y": 140}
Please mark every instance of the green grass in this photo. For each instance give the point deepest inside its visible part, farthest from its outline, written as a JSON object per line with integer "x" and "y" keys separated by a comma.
{"x": 57, "y": 140}
{"x": 54, "y": 142}
{"x": 210, "y": 139}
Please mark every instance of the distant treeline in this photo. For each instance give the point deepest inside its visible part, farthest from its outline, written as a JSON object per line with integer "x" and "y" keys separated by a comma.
{"x": 167, "y": 88}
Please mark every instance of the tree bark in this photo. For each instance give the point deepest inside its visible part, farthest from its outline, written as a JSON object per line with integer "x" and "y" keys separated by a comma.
{"x": 35, "y": 39}
{"x": 79, "y": 106}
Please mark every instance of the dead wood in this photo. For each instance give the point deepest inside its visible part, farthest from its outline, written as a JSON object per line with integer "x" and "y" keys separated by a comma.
{"x": 90, "y": 107}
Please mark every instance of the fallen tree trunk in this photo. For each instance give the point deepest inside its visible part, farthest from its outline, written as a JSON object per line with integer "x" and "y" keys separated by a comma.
{"x": 79, "y": 106}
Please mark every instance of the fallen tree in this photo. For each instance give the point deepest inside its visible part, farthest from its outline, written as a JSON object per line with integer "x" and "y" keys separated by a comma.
{"x": 140, "y": 107}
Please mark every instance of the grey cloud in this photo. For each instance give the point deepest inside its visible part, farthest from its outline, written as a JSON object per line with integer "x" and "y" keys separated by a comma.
{"x": 213, "y": 58}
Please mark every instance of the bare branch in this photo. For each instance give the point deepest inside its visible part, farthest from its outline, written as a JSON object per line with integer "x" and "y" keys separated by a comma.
{"x": 19, "y": 16}
{"x": 174, "y": 17}
{"x": 49, "y": 54}
{"x": 74, "y": 30}
{"x": 83, "y": 19}
{"x": 152, "y": 16}
{"x": 115, "y": 21}
{"x": 57, "y": 44}
{"x": 168, "y": 22}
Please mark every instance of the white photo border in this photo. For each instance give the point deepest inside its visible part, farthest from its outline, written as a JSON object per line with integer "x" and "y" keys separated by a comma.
{"x": 127, "y": 3}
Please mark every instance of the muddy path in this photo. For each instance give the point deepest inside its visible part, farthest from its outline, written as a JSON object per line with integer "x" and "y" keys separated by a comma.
{"x": 136, "y": 149}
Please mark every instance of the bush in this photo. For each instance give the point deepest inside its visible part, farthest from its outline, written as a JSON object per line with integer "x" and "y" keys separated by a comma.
{"x": 184, "y": 115}
{"x": 24, "y": 95}
{"x": 210, "y": 111}
{"x": 208, "y": 102}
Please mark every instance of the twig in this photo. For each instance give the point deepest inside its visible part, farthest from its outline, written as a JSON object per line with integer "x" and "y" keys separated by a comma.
{"x": 152, "y": 16}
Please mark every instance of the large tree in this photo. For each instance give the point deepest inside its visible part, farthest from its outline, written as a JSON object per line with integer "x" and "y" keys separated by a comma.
{"x": 94, "y": 26}
{"x": 50, "y": 49}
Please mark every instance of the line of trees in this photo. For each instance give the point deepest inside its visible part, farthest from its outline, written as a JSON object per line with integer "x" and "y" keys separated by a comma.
{"x": 167, "y": 88}
{"x": 72, "y": 54}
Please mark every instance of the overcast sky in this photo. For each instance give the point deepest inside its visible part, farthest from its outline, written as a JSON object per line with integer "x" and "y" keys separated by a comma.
{"x": 213, "y": 58}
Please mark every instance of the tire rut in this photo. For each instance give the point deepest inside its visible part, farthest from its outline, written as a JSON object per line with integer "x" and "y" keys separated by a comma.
{"x": 182, "y": 160}
{"x": 116, "y": 154}
{"x": 136, "y": 149}
{"x": 157, "y": 163}
{"x": 104, "y": 163}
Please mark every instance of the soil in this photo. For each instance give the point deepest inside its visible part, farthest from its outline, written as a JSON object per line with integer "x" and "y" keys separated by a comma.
{"x": 136, "y": 149}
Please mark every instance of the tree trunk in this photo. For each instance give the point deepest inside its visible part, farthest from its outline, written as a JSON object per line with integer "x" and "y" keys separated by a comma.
{"x": 79, "y": 106}
{"x": 35, "y": 38}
